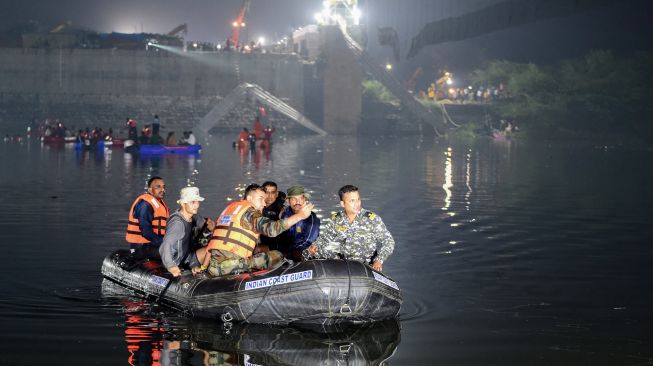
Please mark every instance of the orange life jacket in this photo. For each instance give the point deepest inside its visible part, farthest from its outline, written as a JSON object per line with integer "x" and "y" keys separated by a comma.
{"x": 159, "y": 221}
{"x": 229, "y": 235}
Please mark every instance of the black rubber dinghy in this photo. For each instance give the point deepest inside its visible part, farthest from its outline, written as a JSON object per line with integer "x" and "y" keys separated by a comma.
{"x": 312, "y": 292}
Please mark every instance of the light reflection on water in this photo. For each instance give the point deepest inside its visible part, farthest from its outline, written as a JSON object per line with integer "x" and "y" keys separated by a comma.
{"x": 505, "y": 251}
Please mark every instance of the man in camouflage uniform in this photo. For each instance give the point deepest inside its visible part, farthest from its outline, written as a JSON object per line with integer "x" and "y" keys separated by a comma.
{"x": 222, "y": 262}
{"x": 354, "y": 233}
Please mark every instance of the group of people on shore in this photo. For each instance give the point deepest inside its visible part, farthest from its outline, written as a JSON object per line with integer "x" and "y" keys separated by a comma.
{"x": 480, "y": 94}
{"x": 253, "y": 233}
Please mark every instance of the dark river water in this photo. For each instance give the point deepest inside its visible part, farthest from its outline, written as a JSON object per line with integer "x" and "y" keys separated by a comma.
{"x": 507, "y": 253}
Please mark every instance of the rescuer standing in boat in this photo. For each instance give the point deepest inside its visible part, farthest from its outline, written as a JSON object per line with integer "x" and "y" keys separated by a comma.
{"x": 177, "y": 249}
{"x": 361, "y": 234}
{"x": 237, "y": 232}
{"x": 148, "y": 217}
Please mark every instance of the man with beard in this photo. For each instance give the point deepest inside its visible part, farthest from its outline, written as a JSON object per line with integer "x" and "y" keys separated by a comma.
{"x": 147, "y": 221}
{"x": 177, "y": 249}
{"x": 301, "y": 235}
{"x": 273, "y": 200}
{"x": 273, "y": 205}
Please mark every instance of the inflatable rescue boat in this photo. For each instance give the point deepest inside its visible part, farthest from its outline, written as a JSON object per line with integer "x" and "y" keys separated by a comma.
{"x": 312, "y": 292}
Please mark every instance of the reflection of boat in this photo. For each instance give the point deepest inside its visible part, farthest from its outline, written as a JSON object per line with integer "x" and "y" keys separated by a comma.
{"x": 258, "y": 344}
{"x": 89, "y": 145}
{"x": 312, "y": 292}
{"x": 115, "y": 143}
{"x": 58, "y": 139}
{"x": 169, "y": 149}
{"x": 499, "y": 135}
{"x": 262, "y": 142}
{"x": 171, "y": 339}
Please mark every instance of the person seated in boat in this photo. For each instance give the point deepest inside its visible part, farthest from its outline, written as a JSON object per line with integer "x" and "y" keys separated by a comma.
{"x": 144, "y": 139}
{"x": 171, "y": 139}
{"x": 184, "y": 139}
{"x": 148, "y": 216}
{"x": 237, "y": 231}
{"x": 301, "y": 235}
{"x": 191, "y": 139}
{"x": 132, "y": 133}
{"x": 178, "y": 248}
{"x": 274, "y": 201}
{"x": 353, "y": 233}
{"x": 109, "y": 135}
{"x": 188, "y": 139}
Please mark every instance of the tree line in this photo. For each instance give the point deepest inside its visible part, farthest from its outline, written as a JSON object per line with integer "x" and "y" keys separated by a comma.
{"x": 599, "y": 94}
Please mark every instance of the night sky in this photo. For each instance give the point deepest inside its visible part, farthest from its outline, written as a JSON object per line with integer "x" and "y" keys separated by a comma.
{"x": 624, "y": 26}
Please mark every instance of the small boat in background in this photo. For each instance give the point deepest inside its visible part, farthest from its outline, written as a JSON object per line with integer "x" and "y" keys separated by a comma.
{"x": 58, "y": 139}
{"x": 114, "y": 143}
{"x": 101, "y": 144}
{"x": 169, "y": 149}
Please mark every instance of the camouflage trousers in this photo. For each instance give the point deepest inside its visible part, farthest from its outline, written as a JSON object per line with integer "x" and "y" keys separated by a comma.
{"x": 224, "y": 263}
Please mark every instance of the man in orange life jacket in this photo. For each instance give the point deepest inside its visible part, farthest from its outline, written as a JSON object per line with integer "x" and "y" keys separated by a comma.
{"x": 237, "y": 232}
{"x": 148, "y": 217}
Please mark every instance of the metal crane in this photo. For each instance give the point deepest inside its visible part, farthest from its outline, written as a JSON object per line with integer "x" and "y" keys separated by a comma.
{"x": 181, "y": 28}
{"x": 239, "y": 22}
{"x": 60, "y": 27}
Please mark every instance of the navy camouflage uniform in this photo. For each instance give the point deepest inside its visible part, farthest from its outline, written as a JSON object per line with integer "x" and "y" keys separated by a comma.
{"x": 365, "y": 239}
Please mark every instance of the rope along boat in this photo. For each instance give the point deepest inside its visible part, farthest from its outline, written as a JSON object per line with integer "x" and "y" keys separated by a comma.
{"x": 312, "y": 292}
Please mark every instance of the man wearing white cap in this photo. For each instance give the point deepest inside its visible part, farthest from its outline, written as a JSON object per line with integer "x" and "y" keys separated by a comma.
{"x": 183, "y": 225}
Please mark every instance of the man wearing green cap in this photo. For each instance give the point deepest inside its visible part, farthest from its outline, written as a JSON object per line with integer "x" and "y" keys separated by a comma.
{"x": 301, "y": 235}
{"x": 354, "y": 233}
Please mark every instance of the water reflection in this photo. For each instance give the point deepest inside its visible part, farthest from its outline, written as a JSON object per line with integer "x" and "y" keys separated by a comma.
{"x": 253, "y": 157}
{"x": 468, "y": 176}
{"x": 448, "y": 174}
{"x": 143, "y": 334}
{"x": 549, "y": 262}
{"x": 151, "y": 340}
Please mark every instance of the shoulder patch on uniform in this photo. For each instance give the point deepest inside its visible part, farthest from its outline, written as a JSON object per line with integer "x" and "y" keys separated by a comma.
{"x": 335, "y": 215}
{"x": 371, "y": 215}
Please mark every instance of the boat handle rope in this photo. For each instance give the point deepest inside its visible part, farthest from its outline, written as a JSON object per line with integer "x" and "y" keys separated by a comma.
{"x": 345, "y": 308}
{"x": 227, "y": 317}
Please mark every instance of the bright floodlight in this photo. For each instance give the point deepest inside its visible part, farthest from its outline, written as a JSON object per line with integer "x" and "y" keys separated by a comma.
{"x": 235, "y": 24}
{"x": 388, "y": 66}
{"x": 195, "y": 44}
{"x": 356, "y": 15}
{"x": 449, "y": 81}
{"x": 261, "y": 40}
